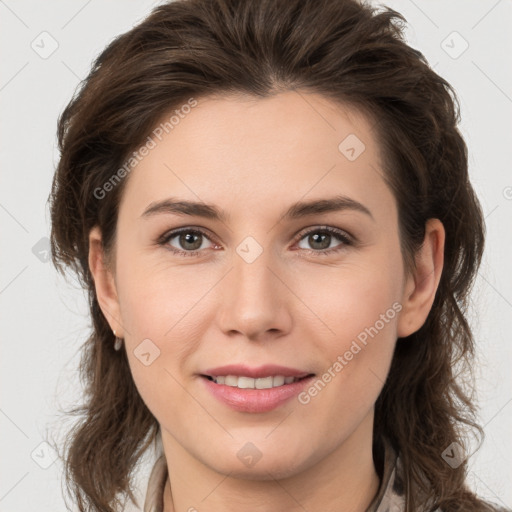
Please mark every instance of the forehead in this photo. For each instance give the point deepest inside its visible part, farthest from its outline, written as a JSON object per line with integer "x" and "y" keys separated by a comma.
{"x": 254, "y": 152}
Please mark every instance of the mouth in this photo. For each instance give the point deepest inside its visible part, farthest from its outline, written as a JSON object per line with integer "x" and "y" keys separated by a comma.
{"x": 254, "y": 390}
{"x": 263, "y": 390}
{"x": 266, "y": 382}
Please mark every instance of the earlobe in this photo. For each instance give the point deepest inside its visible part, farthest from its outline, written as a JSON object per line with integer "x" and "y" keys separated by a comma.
{"x": 104, "y": 282}
{"x": 421, "y": 285}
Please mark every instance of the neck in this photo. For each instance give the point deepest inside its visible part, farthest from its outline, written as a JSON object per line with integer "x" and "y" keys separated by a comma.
{"x": 344, "y": 480}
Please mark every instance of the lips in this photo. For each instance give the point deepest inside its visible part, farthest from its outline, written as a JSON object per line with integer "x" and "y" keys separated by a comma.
{"x": 250, "y": 391}
{"x": 268, "y": 370}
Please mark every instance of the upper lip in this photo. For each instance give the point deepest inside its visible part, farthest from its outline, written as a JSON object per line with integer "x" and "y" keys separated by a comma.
{"x": 255, "y": 372}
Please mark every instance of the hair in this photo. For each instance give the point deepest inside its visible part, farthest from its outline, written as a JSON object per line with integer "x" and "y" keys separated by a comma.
{"x": 355, "y": 55}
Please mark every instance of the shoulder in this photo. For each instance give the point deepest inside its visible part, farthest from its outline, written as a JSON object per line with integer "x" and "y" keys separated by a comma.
{"x": 392, "y": 495}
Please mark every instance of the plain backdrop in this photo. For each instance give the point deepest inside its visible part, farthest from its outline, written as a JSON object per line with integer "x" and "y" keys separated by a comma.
{"x": 47, "y": 48}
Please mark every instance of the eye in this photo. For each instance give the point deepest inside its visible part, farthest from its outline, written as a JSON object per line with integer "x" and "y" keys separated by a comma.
{"x": 190, "y": 242}
{"x": 321, "y": 239}
{"x": 187, "y": 242}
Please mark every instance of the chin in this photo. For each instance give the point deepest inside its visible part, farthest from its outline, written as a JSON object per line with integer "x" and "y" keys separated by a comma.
{"x": 271, "y": 467}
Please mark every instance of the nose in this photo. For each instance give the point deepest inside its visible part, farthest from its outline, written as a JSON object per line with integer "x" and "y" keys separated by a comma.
{"x": 256, "y": 300}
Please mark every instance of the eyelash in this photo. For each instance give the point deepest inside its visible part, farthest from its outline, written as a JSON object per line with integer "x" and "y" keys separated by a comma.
{"x": 340, "y": 235}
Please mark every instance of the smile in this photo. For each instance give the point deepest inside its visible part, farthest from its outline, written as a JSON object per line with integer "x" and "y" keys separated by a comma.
{"x": 243, "y": 382}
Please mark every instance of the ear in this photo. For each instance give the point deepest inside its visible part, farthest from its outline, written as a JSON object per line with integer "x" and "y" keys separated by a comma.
{"x": 104, "y": 282}
{"x": 421, "y": 286}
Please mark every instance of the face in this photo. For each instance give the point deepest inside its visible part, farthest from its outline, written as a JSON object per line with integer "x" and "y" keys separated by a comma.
{"x": 292, "y": 258}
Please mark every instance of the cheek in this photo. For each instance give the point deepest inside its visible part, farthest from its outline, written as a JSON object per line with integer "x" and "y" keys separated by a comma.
{"x": 355, "y": 328}
{"x": 160, "y": 301}
{"x": 164, "y": 318}
{"x": 347, "y": 299}
{"x": 160, "y": 316}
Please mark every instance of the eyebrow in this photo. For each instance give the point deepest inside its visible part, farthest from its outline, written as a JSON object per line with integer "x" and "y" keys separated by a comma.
{"x": 295, "y": 211}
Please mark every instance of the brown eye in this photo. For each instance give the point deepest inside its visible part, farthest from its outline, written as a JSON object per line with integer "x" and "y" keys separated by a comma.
{"x": 321, "y": 240}
{"x": 188, "y": 242}
{"x": 192, "y": 241}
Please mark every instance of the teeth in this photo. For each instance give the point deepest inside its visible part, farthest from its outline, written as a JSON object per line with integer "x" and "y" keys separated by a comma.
{"x": 231, "y": 380}
{"x": 278, "y": 381}
{"x": 250, "y": 383}
{"x": 264, "y": 383}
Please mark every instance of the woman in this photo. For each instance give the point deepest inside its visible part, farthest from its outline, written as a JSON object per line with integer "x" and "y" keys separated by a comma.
{"x": 268, "y": 203}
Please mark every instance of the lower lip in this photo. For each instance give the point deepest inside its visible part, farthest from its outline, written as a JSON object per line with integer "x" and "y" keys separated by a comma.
{"x": 255, "y": 400}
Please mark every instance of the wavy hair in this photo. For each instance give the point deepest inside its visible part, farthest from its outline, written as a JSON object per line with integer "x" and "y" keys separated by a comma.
{"x": 351, "y": 53}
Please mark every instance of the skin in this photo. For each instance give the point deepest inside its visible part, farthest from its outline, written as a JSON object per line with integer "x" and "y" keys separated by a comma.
{"x": 253, "y": 158}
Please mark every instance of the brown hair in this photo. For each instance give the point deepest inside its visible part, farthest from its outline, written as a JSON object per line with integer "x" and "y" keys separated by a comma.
{"x": 348, "y": 52}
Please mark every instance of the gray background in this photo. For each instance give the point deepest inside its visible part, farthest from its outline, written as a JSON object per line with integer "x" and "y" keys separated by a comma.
{"x": 44, "y": 318}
